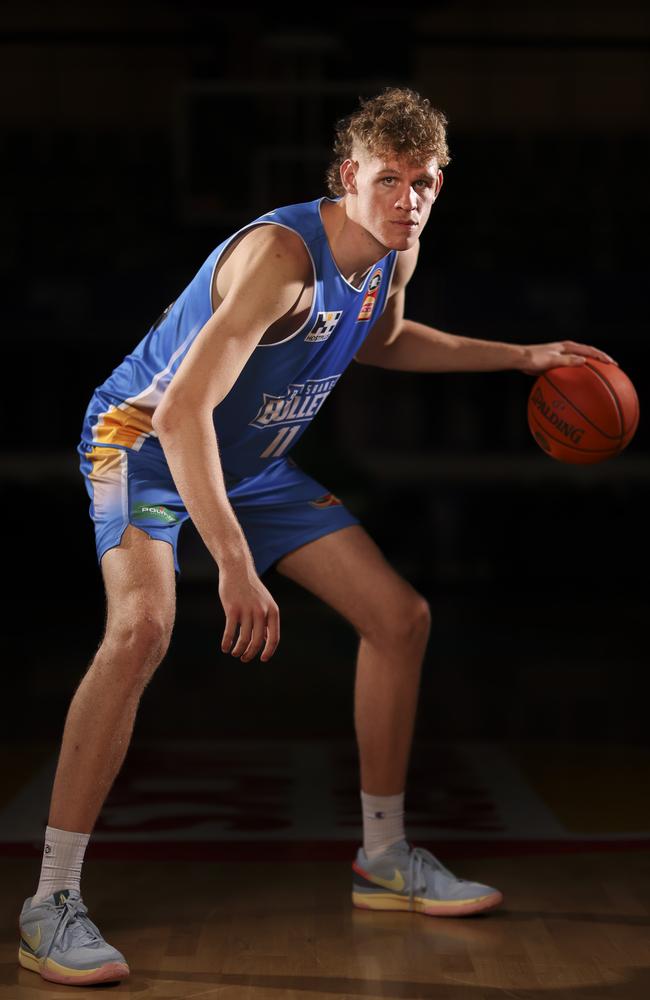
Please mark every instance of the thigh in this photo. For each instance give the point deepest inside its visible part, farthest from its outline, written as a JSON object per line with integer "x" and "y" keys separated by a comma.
{"x": 282, "y": 509}
{"x": 348, "y": 571}
{"x": 140, "y": 583}
{"x": 131, "y": 488}
{"x": 134, "y": 508}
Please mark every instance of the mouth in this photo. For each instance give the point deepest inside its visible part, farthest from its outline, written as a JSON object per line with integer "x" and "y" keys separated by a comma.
{"x": 406, "y": 225}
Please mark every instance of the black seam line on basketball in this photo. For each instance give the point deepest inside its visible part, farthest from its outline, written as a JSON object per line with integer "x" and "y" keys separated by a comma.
{"x": 573, "y": 405}
{"x": 612, "y": 390}
{"x": 585, "y": 451}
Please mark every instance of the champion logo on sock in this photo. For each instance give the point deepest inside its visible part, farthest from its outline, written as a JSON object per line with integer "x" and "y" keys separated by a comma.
{"x": 48, "y": 849}
{"x": 379, "y": 815}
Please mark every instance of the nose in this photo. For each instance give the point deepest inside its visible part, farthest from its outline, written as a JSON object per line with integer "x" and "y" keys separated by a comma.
{"x": 408, "y": 199}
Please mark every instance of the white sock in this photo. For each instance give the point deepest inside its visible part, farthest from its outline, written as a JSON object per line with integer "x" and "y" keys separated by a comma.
{"x": 383, "y": 822}
{"x": 63, "y": 856}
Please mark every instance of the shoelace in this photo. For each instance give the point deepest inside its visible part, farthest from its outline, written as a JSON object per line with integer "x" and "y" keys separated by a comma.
{"x": 417, "y": 880}
{"x": 74, "y": 910}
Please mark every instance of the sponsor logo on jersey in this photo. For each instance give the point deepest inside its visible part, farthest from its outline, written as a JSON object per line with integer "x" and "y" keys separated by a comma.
{"x": 327, "y": 500}
{"x": 299, "y": 404}
{"x": 324, "y": 326}
{"x": 371, "y": 295}
{"x": 551, "y": 413}
{"x": 155, "y": 512}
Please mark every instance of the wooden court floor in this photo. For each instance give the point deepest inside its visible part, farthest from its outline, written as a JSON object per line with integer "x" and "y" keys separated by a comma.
{"x": 573, "y": 926}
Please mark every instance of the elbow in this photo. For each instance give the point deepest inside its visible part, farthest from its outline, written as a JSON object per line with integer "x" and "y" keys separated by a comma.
{"x": 365, "y": 356}
{"x": 373, "y": 359}
{"x": 170, "y": 415}
{"x": 164, "y": 419}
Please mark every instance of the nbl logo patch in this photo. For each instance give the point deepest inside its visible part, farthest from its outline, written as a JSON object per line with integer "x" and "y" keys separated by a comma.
{"x": 327, "y": 500}
{"x": 371, "y": 295}
{"x": 324, "y": 326}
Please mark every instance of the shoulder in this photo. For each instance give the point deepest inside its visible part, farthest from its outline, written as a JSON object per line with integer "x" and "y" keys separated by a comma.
{"x": 404, "y": 268}
{"x": 266, "y": 252}
{"x": 275, "y": 242}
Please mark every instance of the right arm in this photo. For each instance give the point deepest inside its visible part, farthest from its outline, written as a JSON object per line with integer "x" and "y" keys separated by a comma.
{"x": 274, "y": 263}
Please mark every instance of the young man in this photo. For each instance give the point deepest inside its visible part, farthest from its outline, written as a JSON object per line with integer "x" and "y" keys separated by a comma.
{"x": 198, "y": 421}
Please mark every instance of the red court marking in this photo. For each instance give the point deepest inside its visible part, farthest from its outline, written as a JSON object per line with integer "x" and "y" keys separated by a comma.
{"x": 320, "y": 850}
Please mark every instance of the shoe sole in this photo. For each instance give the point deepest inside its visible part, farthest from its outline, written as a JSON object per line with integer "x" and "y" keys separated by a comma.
{"x": 50, "y": 970}
{"x": 431, "y": 908}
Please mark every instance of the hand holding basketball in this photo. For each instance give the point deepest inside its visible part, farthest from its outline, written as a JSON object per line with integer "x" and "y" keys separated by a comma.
{"x": 561, "y": 353}
{"x": 583, "y": 412}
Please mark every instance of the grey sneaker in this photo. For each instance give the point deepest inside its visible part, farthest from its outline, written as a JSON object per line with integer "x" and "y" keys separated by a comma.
{"x": 410, "y": 878}
{"x": 61, "y": 943}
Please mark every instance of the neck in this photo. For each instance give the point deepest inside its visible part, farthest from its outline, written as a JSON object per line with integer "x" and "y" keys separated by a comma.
{"x": 353, "y": 248}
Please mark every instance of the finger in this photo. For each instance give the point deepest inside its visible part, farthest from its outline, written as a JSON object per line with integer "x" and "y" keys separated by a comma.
{"x": 245, "y": 629}
{"x": 601, "y": 356}
{"x": 571, "y": 360}
{"x": 232, "y": 620}
{"x": 257, "y": 638}
{"x": 272, "y": 634}
{"x": 589, "y": 352}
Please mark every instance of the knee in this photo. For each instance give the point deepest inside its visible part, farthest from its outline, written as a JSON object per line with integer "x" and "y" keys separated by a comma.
{"x": 403, "y": 622}
{"x": 136, "y": 645}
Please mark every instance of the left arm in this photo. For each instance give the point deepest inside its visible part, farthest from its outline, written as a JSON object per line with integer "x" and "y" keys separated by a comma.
{"x": 404, "y": 345}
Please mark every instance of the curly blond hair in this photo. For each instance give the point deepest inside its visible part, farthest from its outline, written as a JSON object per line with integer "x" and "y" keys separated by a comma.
{"x": 398, "y": 120}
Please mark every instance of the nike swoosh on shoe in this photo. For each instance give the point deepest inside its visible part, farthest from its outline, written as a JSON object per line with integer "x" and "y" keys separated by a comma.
{"x": 33, "y": 940}
{"x": 396, "y": 882}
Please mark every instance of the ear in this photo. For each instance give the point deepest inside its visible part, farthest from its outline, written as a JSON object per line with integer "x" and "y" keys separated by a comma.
{"x": 439, "y": 179}
{"x": 349, "y": 175}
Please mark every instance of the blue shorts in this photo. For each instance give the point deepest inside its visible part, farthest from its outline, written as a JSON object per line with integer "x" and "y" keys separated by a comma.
{"x": 278, "y": 509}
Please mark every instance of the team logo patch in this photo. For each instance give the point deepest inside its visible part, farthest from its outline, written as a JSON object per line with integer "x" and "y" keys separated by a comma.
{"x": 299, "y": 404}
{"x": 327, "y": 500}
{"x": 371, "y": 295}
{"x": 288, "y": 414}
{"x": 324, "y": 326}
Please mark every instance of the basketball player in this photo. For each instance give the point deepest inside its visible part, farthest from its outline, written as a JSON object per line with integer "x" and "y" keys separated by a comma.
{"x": 198, "y": 422}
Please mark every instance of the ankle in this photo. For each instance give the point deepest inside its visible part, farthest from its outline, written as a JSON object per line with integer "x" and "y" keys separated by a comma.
{"x": 383, "y": 822}
{"x": 63, "y": 855}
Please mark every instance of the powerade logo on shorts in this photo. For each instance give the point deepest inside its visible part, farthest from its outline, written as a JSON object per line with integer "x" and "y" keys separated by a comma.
{"x": 153, "y": 512}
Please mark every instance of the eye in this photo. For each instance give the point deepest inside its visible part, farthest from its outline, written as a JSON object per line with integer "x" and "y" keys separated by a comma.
{"x": 388, "y": 181}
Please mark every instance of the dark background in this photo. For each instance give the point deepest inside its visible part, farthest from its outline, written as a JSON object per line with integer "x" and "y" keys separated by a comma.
{"x": 134, "y": 138}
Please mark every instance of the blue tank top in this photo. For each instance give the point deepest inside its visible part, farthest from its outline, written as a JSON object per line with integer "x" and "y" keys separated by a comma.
{"x": 282, "y": 385}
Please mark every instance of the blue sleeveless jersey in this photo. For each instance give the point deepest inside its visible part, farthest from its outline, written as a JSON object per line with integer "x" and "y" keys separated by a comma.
{"x": 281, "y": 387}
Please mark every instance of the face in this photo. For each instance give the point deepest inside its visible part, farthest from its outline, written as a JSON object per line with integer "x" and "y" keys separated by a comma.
{"x": 389, "y": 196}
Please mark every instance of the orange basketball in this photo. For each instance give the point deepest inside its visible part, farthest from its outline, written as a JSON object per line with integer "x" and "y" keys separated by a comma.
{"x": 583, "y": 414}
